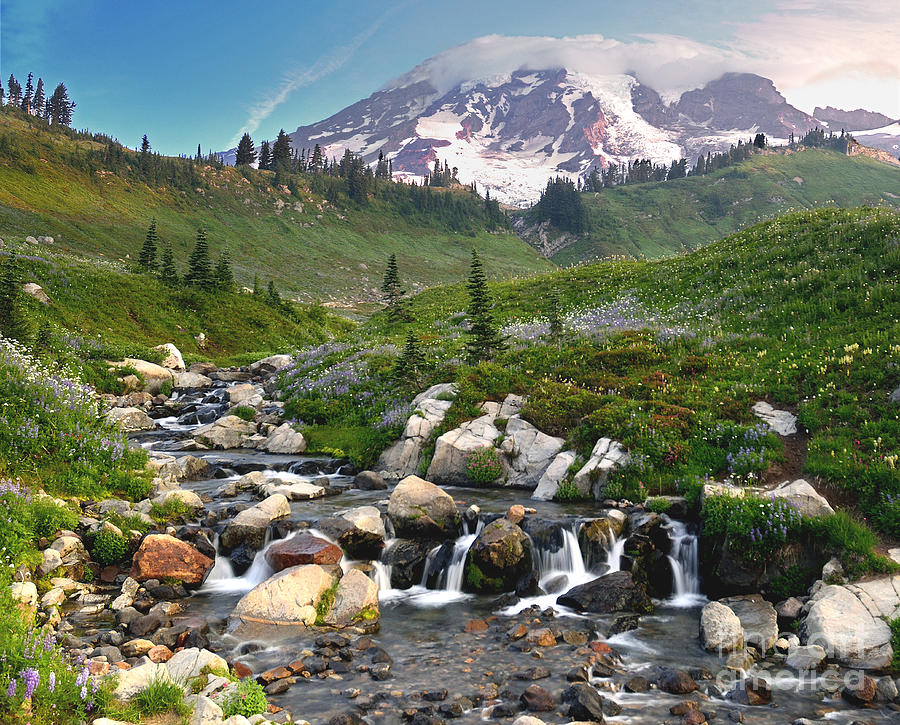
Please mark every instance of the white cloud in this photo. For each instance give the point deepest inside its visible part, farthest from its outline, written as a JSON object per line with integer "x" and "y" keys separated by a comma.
{"x": 324, "y": 66}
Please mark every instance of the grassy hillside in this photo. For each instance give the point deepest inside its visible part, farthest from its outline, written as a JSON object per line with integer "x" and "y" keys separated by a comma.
{"x": 51, "y": 184}
{"x": 669, "y": 357}
{"x": 655, "y": 220}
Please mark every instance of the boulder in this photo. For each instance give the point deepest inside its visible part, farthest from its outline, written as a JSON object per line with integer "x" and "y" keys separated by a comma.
{"x": 182, "y": 495}
{"x": 758, "y": 619}
{"x": 781, "y": 422}
{"x": 161, "y": 556}
{"x": 753, "y": 691}
{"x": 189, "y": 663}
{"x": 537, "y": 699}
{"x": 419, "y": 509}
{"x": 806, "y": 657}
{"x": 271, "y": 364}
{"x": 73, "y": 556}
{"x": 173, "y": 359}
{"x": 532, "y": 452}
{"x": 363, "y": 541}
{"x": 451, "y": 450}
{"x": 616, "y": 592}
{"x": 191, "y": 381}
{"x": 804, "y": 497}
{"x": 596, "y": 536}
{"x": 286, "y": 599}
{"x": 675, "y": 682}
{"x": 244, "y": 394}
{"x": 356, "y": 598}
{"x": 155, "y": 376}
{"x": 720, "y": 629}
{"x": 498, "y": 559}
{"x": 285, "y": 440}
{"x": 402, "y": 458}
{"x": 292, "y": 491}
{"x": 130, "y": 419}
{"x": 585, "y": 703}
{"x": 250, "y": 525}
{"x": 606, "y": 456}
{"x": 406, "y": 558}
{"x": 841, "y": 620}
{"x": 131, "y": 682}
{"x": 206, "y": 712}
{"x": 302, "y": 549}
{"x": 369, "y": 481}
{"x": 227, "y": 432}
{"x": 554, "y": 475}
{"x": 36, "y": 291}
{"x": 367, "y": 518}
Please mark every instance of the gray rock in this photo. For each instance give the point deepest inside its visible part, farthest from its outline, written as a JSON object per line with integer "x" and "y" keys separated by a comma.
{"x": 249, "y": 526}
{"x": 606, "y": 456}
{"x": 288, "y": 598}
{"x": 419, "y": 509}
{"x": 758, "y": 618}
{"x": 130, "y": 419}
{"x": 806, "y": 657}
{"x": 720, "y": 629}
{"x": 191, "y": 381}
{"x": 356, "y": 596}
{"x": 188, "y": 663}
{"x": 131, "y": 682}
{"x": 206, "y": 712}
{"x": 895, "y": 396}
{"x": 808, "y": 501}
{"x": 370, "y": 481}
{"x": 452, "y": 450}
{"x": 782, "y": 422}
{"x": 227, "y": 432}
{"x": 532, "y": 452}
{"x": 285, "y": 440}
{"x": 553, "y": 475}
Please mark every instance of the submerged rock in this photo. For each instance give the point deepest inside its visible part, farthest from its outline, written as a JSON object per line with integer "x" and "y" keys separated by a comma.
{"x": 616, "y": 592}
{"x": 498, "y": 559}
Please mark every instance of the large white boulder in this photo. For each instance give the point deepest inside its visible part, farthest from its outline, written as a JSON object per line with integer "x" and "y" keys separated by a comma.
{"x": 173, "y": 359}
{"x": 270, "y": 364}
{"x": 451, "y": 450}
{"x": 532, "y": 452}
{"x": 191, "y": 381}
{"x": 130, "y": 419}
{"x": 250, "y": 525}
{"x": 809, "y": 502}
{"x": 155, "y": 376}
{"x": 555, "y": 473}
{"x": 720, "y": 629}
{"x": 227, "y": 432}
{"x": 284, "y": 439}
{"x": 244, "y": 394}
{"x": 419, "y": 509}
{"x": 356, "y": 596}
{"x": 758, "y": 619}
{"x": 287, "y": 599}
{"x": 188, "y": 663}
{"x": 402, "y": 458}
{"x": 783, "y": 422}
{"x": 606, "y": 457}
{"x": 131, "y": 682}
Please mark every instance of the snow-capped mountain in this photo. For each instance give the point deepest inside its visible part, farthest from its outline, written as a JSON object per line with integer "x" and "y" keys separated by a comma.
{"x": 509, "y": 113}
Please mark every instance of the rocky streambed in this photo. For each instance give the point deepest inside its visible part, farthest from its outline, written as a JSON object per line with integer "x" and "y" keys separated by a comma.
{"x": 355, "y": 599}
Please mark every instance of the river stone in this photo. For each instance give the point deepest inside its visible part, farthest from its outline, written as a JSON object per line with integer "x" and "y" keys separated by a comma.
{"x": 155, "y": 376}
{"x": 188, "y": 663}
{"x": 191, "y": 381}
{"x": 369, "y": 481}
{"x": 806, "y": 657}
{"x": 130, "y": 419}
{"x": 131, "y": 682}
{"x": 675, "y": 682}
{"x": 419, "y": 509}
{"x": 840, "y": 622}
{"x": 809, "y": 502}
{"x": 269, "y": 365}
{"x": 173, "y": 359}
{"x": 606, "y": 456}
{"x": 537, "y": 699}
{"x": 406, "y": 557}
{"x": 498, "y": 559}
{"x": 533, "y": 451}
{"x": 782, "y": 422}
{"x": 225, "y": 433}
{"x": 400, "y": 459}
{"x": 294, "y": 491}
{"x": 758, "y": 618}
{"x": 367, "y": 518}
{"x": 161, "y": 556}
{"x": 356, "y": 596}
{"x": 553, "y": 475}
{"x": 357, "y": 542}
{"x": 184, "y": 496}
{"x": 302, "y": 549}
{"x": 285, "y": 440}
{"x": 452, "y": 450}
{"x": 206, "y": 712}
{"x": 242, "y": 394}
{"x": 585, "y": 703}
{"x": 616, "y": 592}
{"x": 288, "y": 598}
{"x": 51, "y": 561}
{"x": 720, "y": 629}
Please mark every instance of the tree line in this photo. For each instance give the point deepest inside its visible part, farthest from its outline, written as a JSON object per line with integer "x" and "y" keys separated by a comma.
{"x": 56, "y": 109}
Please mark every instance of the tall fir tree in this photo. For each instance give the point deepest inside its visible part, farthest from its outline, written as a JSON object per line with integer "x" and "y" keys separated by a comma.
{"x": 199, "y": 272}
{"x": 40, "y": 99}
{"x": 145, "y": 145}
{"x": 28, "y": 97}
{"x": 281, "y": 152}
{"x": 484, "y": 339}
{"x": 273, "y": 296}
{"x": 265, "y": 156}
{"x": 391, "y": 291}
{"x": 554, "y": 316}
{"x": 409, "y": 366}
{"x": 14, "y": 90}
{"x": 147, "y": 257}
{"x": 223, "y": 275}
{"x": 59, "y": 107}
{"x": 168, "y": 275}
{"x": 14, "y": 321}
{"x": 246, "y": 151}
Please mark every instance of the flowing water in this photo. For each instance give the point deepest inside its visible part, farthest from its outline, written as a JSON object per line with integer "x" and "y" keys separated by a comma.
{"x": 423, "y": 629}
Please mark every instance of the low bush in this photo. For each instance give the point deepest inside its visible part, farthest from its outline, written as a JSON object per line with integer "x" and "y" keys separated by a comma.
{"x": 48, "y": 517}
{"x": 247, "y": 698}
{"x": 567, "y": 491}
{"x": 109, "y": 547}
{"x": 484, "y": 466}
{"x": 244, "y": 412}
{"x": 161, "y": 696}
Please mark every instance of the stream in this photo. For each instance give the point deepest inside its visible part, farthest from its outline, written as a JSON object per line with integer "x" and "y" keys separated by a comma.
{"x": 423, "y": 628}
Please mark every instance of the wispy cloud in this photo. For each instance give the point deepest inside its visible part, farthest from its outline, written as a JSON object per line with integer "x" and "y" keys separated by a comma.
{"x": 324, "y": 66}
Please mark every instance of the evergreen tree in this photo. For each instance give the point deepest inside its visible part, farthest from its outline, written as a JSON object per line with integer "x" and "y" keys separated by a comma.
{"x": 199, "y": 273}
{"x": 408, "y": 368}
{"x": 223, "y": 275}
{"x": 318, "y": 161}
{"x": 281, "y": 151}
{"x": 760, "y": 141}
{"x": 14, "y": 323}
{"x": 484, "y": 339}
{"x": 265, "y": 156}
{"x": 391, "y": 291}
{"x": 273, "y": 296}
{"x": 59, "y": 107}
{"x": 167, "y": 272}
{"x": 28, "y": 98}
{"x": 199, "y": 152}
{"x": 15, "y": 91}
{"x": 39, "y": 99}
{"x": 145, "y": 145}
{"x": 246, "y": 152}
{"x": 147, "y": 257}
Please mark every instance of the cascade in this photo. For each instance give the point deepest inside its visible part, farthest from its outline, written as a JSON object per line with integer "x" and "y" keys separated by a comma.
{"x": 685, "y": 562}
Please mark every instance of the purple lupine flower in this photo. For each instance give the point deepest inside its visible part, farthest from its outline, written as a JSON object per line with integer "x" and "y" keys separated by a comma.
{"x": 51, "y": 682}
{"x": 82, "y": 677}
{"x": 11, "y": 688}
{"x": 32, "y": 678}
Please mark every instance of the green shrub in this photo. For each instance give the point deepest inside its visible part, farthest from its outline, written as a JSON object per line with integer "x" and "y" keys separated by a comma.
{"x": 895, "y": 644}
{"x": 853, "y": 542}
{"x": 161, "y": 696}
{"x": 659, "y": 505}
{"x": 567, "y": 491}
{"x": 48, "y": 517}
{"x": 484, "y": 466}
{"x": 794, "y": 582}
{"x": 247, "y": 698}
{"x": 244, "y": 412}
{"x": 109, "y": 547}
{"x": 758, "y": 528}
{"x": 173, "y": 509}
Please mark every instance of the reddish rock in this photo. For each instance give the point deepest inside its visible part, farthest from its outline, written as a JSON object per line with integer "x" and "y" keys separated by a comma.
{"x": 476, "y": 626}
{"x": 676, "y": 682}
{"x": 160, "y": 653}
{"x": 302, "y": 549}
{"x": 297, "y": 667}
{"x": 537, "y": 699}
{"x": 541, "y": 637}
{"x": 695, "y": 717}
{"x": 276, "y": 673}
{"x": 600, "y": 648}
{"x": 161, "y": 557}
{"x": 684, "y": 707}
{"x": 517, "y": 632}
{"x": 108, "y": 574}
{"x": 516, "y": 513}
{"x": 98, "y": 668}
{"x": 862, "y": 694}
{"x": 241, "y": 670}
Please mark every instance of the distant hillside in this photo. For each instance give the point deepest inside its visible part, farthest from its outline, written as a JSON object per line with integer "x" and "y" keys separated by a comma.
{"x": 654, "y": 220}
{"x": 60, "y": 184}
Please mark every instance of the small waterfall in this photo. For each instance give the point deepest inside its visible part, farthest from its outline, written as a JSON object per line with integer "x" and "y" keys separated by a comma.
{"x": 222, "y": 579}
{"x": 614, "y": 550}
{"x": 685, "y": 562}
{"x": 382, "y": 572}
{"x": 564, "y": 565}
{"x": 452, "y": 579}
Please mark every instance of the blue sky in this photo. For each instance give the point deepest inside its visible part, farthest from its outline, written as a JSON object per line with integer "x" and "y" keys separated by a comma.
{"x": 199, "y": 71}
